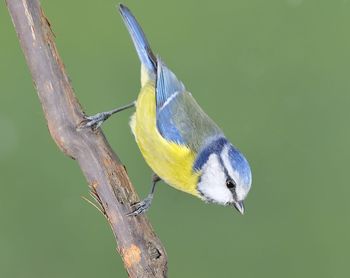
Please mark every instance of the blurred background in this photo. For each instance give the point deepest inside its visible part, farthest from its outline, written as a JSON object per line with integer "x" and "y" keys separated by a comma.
{"x": 273, "y": 74}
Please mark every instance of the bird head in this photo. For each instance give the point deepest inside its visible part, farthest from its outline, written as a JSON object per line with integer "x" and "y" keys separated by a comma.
{"x": 225, "y": 175}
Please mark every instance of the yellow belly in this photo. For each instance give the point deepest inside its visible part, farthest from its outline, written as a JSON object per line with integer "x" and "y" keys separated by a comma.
{"x": 170, "y": 161}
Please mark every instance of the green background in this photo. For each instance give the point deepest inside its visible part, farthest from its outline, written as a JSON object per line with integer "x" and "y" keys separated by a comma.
{"x": 273, "y": 74}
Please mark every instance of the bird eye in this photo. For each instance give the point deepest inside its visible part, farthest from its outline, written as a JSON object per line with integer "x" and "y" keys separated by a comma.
{"x": 230, "y": 184}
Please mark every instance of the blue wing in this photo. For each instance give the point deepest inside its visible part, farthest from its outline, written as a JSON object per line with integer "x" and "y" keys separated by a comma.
{"x": 168, "y": 88}
{"x": 179, "y": 118}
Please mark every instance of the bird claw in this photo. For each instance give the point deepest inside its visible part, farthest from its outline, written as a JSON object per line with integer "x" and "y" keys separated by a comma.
{"x": 94, "y": 121}
{"x": 141, "y": 207}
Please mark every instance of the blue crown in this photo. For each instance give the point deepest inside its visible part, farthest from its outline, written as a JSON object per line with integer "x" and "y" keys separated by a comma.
{"x": 238, "y": 161}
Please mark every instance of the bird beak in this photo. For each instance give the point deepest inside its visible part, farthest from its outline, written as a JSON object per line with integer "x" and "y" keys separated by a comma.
{"x": 239, "y": 206}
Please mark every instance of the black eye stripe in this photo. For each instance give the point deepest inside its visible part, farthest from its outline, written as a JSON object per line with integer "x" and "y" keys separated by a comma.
{"x": 223, "y": 166}
{"x": 230, "y": 183}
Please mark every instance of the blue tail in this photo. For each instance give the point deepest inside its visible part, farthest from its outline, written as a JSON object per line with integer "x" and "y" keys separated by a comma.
{"x": 139, "y": 39}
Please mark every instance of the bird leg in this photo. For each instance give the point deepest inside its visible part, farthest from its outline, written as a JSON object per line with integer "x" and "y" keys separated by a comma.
{"x": 142, "y": 206}
{"x": 97, "y": 120}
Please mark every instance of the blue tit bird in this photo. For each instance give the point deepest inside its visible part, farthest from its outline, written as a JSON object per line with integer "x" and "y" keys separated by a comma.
{"x": 178, "y": 140}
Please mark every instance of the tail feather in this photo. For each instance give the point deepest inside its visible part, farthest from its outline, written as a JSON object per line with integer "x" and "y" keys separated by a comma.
{"x": 139, "y": 39}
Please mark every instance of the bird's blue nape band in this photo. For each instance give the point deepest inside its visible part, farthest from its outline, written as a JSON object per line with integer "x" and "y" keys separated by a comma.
{"x": 214, "y": 146}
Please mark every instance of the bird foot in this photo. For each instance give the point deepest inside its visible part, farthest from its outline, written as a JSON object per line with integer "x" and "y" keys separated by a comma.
{"x": 141, "y": 207}
{"x": 95, "y": 121}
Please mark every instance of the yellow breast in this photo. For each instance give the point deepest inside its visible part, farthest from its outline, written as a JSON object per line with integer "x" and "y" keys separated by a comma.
{"x": 170, "y": 161}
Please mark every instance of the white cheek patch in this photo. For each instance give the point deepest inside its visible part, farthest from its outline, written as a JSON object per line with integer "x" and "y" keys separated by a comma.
{"x": 240, "y": 190}
{"x": 213, "y": 182}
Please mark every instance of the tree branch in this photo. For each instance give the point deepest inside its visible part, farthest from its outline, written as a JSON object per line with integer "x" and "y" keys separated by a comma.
{"x": 140, "y": 248}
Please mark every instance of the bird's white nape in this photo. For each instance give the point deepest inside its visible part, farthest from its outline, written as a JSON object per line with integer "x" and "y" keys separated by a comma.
{"x": 212, "y": 184}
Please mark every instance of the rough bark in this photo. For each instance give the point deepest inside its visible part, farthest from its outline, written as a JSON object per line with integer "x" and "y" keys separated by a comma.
{"x": 141, "y": 250}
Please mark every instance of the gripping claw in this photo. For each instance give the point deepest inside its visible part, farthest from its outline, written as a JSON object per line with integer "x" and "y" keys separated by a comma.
{"x": 95, "y": 121}
{"x": 141, "y": 207}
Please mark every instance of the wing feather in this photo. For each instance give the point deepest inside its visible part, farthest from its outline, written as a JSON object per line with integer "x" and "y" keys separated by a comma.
{"x": 179, "y": 118}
